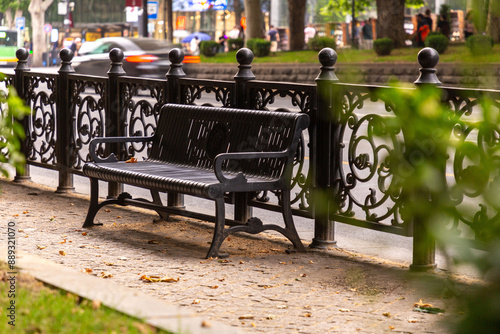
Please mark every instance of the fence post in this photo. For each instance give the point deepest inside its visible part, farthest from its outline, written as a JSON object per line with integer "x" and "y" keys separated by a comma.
{"x": 22, "y": 66}
{"x": 64, "y": 123}
{"x": 176, "y": 56}
{"x": 325, "y": 152}
{"x": 115, "y": 118}
{"x": 244, "y": 57}
{"x": 424, "y": 245}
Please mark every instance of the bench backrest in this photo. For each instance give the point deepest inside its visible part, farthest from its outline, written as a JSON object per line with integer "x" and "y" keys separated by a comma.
{"x": 189, "y": 135}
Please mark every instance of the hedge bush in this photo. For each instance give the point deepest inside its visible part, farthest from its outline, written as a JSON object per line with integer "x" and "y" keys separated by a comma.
{"x": 260, "y": 47}
{"x": 383, "y": 46}
{"x": 234, "y": 44}
{"x": 437, "y": 41}
{"x": 209, "y": 48}
{"x": 318, "y": 43}
{"x": 479, "y": 44}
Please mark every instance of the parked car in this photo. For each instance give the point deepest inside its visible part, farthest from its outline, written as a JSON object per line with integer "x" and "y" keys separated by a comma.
{"x": 144, "y": 57}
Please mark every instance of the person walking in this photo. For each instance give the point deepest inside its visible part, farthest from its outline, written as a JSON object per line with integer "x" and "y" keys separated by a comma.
{"x": 367, "y": 33}
{"x": 194, "y": 46}
{"x": 309, "y": 32}
{"x": 274, "y": 37}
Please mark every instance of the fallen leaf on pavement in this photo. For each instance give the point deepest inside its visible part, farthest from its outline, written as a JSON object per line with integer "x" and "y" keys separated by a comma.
{"x": 206, "y": 324}
{"x": 131, "y": 160}
{"x": 246, "y": 316}
{"x": 63, "y": 253}
{"x": 106, "y": 275}
{"x": 421, "y": 303}
{"x": 88, "y": 270}
{"x": 344, "y": 310}
{"x": 387, "y": 314}
{"x": 41, "y": 247}
{"x": 156, "y": 279}
{"x": 196, "y": 301}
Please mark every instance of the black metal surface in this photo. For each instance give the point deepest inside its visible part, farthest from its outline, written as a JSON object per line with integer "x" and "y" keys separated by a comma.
{"x": 339, "y": 166}
{"x": 208, "y": 152}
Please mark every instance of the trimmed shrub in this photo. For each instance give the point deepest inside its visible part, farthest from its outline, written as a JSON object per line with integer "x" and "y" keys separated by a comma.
{"x": 209, "y": 48}
{"x": 479, "y": 44}
{"x": 234, "y": 44}
{"x": 383, "y": 46}
{"x": 260, "y": 47}
{"x": 437, "y": 41}
{"x": 320, "y": 42}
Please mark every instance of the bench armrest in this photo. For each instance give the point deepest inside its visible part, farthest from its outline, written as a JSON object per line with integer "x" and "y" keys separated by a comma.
{"x": 112, "y": 156}
{"x": 219, "y": 159}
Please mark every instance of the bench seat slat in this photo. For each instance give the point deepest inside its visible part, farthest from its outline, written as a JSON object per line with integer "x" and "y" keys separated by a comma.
{"x": 163, "y": 177}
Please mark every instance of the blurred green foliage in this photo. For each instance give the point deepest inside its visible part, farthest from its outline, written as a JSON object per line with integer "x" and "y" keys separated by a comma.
{"x": 432, "y": 134}
{"x": 11, "y": 131}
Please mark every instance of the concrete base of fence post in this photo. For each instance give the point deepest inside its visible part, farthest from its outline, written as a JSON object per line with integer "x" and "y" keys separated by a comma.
{"x": 65, "y": 183}
{"x": 324, "y": 234}
{"x": 114, "y": 189}
{"x": 24, "y": 176}
{"x": 322, "y": 244}
{"x": 175, "y": 200}
{"x": 242, "y": 211}
{"x": 424, "y": 249}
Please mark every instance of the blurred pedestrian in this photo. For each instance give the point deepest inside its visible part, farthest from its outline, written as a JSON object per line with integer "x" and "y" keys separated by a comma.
{"x": 235, "y": 33}
{"x": 222, "y": 43}
{"x": 309, "y": 32}
{"x": 274, "y": 37}
{"x": 428, "y": 19}
{"x": 194, "y": 46}
{"x": 367, "y": 34}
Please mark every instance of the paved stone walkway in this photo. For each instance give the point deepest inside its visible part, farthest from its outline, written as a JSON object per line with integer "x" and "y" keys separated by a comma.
{"x": 260, "y": 288}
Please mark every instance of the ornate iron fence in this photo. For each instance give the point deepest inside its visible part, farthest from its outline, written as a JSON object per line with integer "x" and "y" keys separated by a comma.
{"x": 339, "y": 155}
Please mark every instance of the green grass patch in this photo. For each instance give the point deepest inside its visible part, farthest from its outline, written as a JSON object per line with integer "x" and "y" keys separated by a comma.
{"x": 41, "y": 309}
{"x": 456, "y": 53}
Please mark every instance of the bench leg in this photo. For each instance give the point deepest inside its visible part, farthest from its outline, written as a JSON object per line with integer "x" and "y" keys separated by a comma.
{"x": 157, "y": 200}
{"x": 94, "y": 203}
{"x": 220, "y": 222}
{"x": 291, "y": 231}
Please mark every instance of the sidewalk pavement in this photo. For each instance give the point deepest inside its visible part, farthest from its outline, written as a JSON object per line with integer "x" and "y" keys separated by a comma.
{"x": 261, "y": 287}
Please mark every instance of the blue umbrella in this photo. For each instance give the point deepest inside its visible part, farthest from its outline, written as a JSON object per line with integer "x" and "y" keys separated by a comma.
{"x": 201, "y": 36}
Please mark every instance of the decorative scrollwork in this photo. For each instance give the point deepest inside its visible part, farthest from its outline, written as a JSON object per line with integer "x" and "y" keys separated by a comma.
{"x": 193, "y": 92}
{"x": 264, "y": 99}
{"x": 369, "y": 145}
{"x": 41, "y": 95}
{"x": 88, "y": 100}
{"x": 142, "y": 102}
{"x": 475, "y": 181}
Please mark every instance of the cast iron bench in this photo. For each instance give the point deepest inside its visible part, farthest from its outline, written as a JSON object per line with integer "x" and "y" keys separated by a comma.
{"x": 207, "y": 152}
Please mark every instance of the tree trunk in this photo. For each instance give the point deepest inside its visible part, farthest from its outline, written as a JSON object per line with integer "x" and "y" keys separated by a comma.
{"x": 390, "y": 21}
{"x": 237, "y": 12}
{"x": 253, "y": 15}
{"x": 493, "y": 24}
{"x": 9, "y": 20}
{"x": 37, "y": 10}
{"x": 297, "y": 13}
